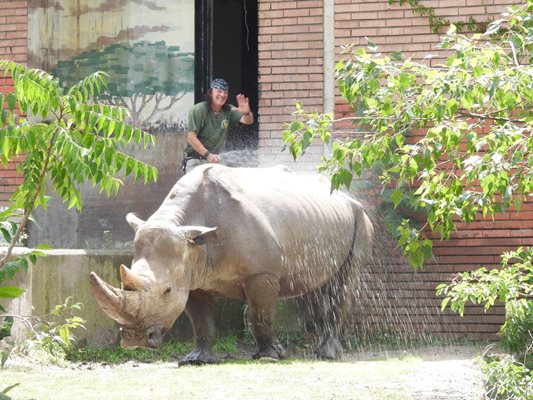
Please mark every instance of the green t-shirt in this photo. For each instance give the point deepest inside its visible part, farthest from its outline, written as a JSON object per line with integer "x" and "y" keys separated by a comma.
{"x": 211, "y": 129}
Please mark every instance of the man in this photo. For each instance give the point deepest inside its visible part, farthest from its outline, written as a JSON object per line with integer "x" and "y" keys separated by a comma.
{"x": 209, "y": 123}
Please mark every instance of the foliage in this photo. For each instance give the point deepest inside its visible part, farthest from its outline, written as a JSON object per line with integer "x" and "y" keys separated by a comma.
{"x": 53, "y": 333}
{"x": 3, "y": 392}
{"x": 117, "y": 355}
{"x": 167, "y": 352}
{"x": 476, "y": 156}
{"x": 512, "y": 285}
{"x": 69, "y": 140}
{"x": 453, "y": 142}
{"x": 436, "y": 23}
{"x": 508, "y": 377}
{"x": 144, "y": 77}
{"x": 66, "y": 140}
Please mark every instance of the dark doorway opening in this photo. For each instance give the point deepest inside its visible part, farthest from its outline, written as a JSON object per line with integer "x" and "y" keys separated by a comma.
{"x": 226, "y": 47}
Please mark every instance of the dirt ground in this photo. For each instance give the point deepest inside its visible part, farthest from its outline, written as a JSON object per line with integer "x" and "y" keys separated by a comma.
{"x": 447, "y": 373}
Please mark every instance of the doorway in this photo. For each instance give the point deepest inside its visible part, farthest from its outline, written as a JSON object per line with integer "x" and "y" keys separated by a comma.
{"x": 226, "y": 47}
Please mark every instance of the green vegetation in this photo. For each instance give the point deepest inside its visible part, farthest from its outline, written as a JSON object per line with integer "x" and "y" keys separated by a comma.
{"x": 436, "y": 23}
{"x": 454, "y": 143}
{"x": 508, "y": 376}
{"x": 171, "y": 351}
{"x": 66, "y": 139}
{"x": 54, "y": 333}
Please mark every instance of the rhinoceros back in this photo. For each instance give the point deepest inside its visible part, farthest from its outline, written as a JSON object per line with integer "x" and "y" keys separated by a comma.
{"x": 269, "y": 220}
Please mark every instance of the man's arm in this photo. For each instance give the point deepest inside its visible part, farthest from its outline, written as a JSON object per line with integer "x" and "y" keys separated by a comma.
{"x": 197, "y": 146}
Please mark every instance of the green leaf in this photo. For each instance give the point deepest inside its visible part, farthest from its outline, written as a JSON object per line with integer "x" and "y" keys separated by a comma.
{"x": 10, "y": 292}
{"x": 397, "y": 55}
{"x": 7, "y": 389}
{"x": 444, "y": 303}
{"x": 396, "y": 196}
{"x": 6, "y": 235}
{"x": 128, "y": 132}
{"x": 130, "y": 164}
{"x": 4, "y": 355}
{"x": 11, "y": 101}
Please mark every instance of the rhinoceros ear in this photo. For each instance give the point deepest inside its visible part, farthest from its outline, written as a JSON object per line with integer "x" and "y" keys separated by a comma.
{"x": 196, "y": 234}
{"x": 134, "y": 221}
{"x": 130, "y": 280}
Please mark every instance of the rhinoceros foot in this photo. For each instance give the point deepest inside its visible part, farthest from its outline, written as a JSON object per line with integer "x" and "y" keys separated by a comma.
{"x": 273, "y": 352}
{"x": 329, "y": 349}
{"x": 198, "y": 357}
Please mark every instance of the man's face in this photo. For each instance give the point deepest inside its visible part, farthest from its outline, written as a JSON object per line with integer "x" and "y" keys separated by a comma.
{"x": 219, "y": 97}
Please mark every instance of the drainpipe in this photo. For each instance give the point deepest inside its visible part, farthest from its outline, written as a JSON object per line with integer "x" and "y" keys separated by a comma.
{"x": 329, "y": 62}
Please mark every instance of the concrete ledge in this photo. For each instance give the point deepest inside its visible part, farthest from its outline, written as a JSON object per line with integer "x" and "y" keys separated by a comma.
{"x": 65, "y": 272}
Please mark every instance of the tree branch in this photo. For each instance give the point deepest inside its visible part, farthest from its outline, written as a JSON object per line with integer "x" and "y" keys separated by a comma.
{"x": 29, "y": 207}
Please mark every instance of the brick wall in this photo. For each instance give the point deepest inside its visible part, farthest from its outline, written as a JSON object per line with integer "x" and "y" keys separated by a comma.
{"x": 393, "y": 297}
{"x": 14, "y": 47}
{"x": 290, "y": 69}
{"x": 398, "y": 298}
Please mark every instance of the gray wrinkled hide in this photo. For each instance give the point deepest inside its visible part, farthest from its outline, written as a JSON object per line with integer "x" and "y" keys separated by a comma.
{"x": 256, "y": 234}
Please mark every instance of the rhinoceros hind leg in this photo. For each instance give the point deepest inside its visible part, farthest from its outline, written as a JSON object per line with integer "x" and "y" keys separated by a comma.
{"x": 329, "y": 348}
{"x": 199, "y": 357}
{"x": 330, "y": 308}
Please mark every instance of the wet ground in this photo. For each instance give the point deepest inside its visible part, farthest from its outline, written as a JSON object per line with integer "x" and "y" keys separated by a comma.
{"x": 450, "y": 373}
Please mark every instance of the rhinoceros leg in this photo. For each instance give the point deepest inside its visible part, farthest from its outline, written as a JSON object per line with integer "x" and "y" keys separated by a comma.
{"x": 330, "y": 305}
{"x": 261, "y": 292}
{"x": 199, "y": 309}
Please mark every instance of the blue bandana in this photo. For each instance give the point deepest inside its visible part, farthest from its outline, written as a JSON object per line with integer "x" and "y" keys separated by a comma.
{"x": 219, "y": 84}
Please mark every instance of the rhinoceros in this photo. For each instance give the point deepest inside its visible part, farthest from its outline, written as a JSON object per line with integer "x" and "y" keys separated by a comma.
{"x": 256, "y": 234}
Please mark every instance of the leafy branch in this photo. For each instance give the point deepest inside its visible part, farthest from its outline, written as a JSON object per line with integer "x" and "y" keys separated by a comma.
{"x": 65, "y": 138}
{"x": 475, "y": 156}
{"x": 436, "y": 23}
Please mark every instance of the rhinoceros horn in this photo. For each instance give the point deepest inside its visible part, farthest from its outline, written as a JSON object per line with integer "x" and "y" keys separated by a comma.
{"x": 112, "y": 300}
{"x": 130, "y": 280}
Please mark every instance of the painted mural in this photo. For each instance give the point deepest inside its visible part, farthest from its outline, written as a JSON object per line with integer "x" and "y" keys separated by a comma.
{"x": 146, "y": 48}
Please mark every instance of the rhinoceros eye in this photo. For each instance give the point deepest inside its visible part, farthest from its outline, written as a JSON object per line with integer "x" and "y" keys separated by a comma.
{"x": 167, "y": 291}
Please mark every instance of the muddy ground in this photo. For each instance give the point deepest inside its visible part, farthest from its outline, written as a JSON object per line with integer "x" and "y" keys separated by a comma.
{"x": 435, "y": 373}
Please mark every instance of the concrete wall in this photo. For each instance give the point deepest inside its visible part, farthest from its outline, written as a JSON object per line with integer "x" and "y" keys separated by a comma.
{"x": 65, "y": 273}
{"x": 62, "y": 274}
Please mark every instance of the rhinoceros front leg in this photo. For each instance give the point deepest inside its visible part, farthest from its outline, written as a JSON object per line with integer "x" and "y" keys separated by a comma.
{"x": 199, "y": 309}
{"x": 261, "y": 294}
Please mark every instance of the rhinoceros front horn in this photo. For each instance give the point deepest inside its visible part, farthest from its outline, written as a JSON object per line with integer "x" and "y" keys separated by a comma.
{"x": 111, "y": 300}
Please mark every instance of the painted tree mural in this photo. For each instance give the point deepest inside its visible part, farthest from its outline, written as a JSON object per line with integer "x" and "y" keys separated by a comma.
{"x": 146, "y": 78}
{"x": 145, "y": 47}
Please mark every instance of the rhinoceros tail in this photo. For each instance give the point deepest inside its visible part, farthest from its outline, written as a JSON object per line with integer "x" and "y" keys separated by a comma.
{"x": 332, "y": 304}
{"x": 363, "y": 237}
